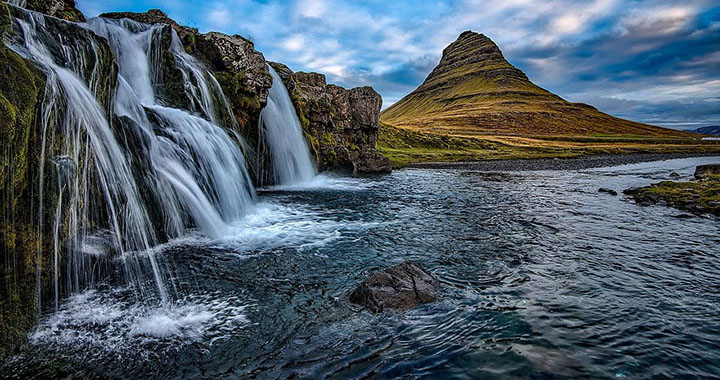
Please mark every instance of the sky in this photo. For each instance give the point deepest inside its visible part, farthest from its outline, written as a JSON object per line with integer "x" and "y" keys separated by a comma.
{"x": 650, "y": 61}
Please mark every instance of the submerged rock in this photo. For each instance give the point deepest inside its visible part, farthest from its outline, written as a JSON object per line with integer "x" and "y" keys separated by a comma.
{"x": 608, "y": 191}
{"x": 703, "y": 171}
{"x": 398, "y": 288}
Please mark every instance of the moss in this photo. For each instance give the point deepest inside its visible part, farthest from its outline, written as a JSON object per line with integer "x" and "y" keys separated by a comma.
{"x": 5, "y": 20}
{"x": 21, "y": 86}
{"x": 701, "y": 197}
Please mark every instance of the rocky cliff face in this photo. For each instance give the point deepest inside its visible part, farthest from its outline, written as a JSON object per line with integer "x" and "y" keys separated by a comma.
{"x": 475, "y": 90}
{"x": 341, "y": 125}
{"x": 22, "y": 91}
{"x": 64, "y": 9}
{"x": 240, "y": 70}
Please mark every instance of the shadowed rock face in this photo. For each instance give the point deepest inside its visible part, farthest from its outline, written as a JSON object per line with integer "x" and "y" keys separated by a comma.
{"x": 64, "y": 9}
{"x": 341, "y": 125}
{"x": 475, "y": 90}
{"x": 704, "y": 171}
{"x": 398, "y": 288}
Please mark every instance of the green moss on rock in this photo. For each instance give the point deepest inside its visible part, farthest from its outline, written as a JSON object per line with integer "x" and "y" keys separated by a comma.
{"x": 21, "y": 87}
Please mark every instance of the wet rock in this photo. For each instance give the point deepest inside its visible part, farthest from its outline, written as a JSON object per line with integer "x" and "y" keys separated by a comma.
{"x": 340, "y": 124}
{"x": 674, "y": 175}
{"x": 398, "y": 288}
{"x": 703, "y": 171}
{"x": 608, "y": 191}
{"x": 240, "y": 70}
{"x": 632, "y": 190}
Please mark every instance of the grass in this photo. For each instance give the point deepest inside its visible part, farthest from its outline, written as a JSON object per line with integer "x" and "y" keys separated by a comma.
{"x": 404, "y": 146}
{"x": 698, "y": 197}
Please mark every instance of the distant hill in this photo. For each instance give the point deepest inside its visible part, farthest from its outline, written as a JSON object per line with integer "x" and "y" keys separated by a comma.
{"x": 474, "y": 90}
{"x": 709, "y": 130}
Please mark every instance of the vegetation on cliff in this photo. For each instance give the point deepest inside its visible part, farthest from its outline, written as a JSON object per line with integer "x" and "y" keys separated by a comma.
{"x": 21, "y": 89}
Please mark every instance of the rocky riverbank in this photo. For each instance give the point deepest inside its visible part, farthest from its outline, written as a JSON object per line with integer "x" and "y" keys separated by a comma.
{"x": 698, "y": 197}
{"x": 578, "y": 163}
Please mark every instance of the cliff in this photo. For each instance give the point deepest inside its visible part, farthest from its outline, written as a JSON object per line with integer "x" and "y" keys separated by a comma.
{"x": 35, "y": 138}
{"x": 474, "y": 90}
{"x": 340, "y": 125}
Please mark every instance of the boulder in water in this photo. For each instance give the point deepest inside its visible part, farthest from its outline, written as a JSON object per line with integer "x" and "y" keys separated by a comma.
{"x": 703, "y": 171}
{"x": 608, "y": 191}
{"x": 398, "y": 288}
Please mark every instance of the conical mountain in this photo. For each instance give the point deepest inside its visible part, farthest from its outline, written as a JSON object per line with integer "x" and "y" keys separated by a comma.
{"x": 474, "y": 90}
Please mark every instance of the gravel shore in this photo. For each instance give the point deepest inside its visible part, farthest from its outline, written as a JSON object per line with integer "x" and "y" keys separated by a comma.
{"x": 578, "y": 163}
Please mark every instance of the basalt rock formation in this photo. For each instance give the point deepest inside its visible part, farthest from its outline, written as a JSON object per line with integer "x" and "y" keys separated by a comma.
{"x": 341, "y": 125}
{"x": 474, "y": 90}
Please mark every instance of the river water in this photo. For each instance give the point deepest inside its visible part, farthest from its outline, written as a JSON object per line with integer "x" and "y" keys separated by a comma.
{"x": 541, "y": 275}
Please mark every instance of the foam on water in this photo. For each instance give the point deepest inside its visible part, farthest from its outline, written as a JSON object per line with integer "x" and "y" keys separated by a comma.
{"x": 108, "y": 320}
{"x": 325, "y": 182}
{"x": 270, "y": 226}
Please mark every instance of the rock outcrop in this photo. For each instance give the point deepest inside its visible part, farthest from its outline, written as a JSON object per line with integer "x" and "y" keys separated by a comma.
{"x": 341, "y": 125}
{"x": 475, "y": 90}
{"x": 240, "y": 70}
{"x": 64, "y": 9}
{"x": 705, "y": 171}
{"x": 398, "y": 288}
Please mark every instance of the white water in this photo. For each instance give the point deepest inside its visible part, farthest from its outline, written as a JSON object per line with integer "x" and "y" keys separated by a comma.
{"x": 281, "y": 129}
{"x": 183, "y": 165}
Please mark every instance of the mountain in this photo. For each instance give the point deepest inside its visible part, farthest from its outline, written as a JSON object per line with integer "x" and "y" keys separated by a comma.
{"x": 709, "y": 130}
{"x": 474, "y": 90}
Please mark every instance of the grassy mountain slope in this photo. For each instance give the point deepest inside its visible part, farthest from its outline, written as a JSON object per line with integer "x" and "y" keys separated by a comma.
{"x": 474, "y": 90}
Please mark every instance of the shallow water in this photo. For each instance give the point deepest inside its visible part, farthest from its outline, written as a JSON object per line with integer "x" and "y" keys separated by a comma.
{"x": 542, "y": 276}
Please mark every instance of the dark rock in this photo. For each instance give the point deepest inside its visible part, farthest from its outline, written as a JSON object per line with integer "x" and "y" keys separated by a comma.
{"x": 64, "y": 9}
{"x": 703, "y": 171}
{"x": 632, "y": 190}
{"x": 153, "y": 16}
{"x": 609, "y": 191}
{"x": 674, "y": 175}
{"x": 398, "y": 288}
{"x": 341, "y": 125}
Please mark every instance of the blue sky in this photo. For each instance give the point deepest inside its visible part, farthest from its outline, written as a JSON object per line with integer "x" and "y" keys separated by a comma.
{"x": 651, "y": 61}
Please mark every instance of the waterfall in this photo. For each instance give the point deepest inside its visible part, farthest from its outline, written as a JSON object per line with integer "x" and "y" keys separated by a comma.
{"x": 133, "y": 173}
{"x": 281, "y": 130}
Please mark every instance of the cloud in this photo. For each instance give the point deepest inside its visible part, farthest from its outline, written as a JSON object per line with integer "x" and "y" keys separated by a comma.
{"x": 219, "y": 17}
{"x": 653, "y": 58}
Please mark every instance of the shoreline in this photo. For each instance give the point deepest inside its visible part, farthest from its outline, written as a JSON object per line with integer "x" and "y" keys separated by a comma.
{"x": 574, "y": 163}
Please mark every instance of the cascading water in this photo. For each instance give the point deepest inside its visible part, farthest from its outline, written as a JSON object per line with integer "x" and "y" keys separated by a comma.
{"x": 135, "y": 172}
{"x": 281, "y": 130}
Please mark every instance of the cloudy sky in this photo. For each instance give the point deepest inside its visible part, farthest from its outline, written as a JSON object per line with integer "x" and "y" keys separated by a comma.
{"x": 652, "y": 61}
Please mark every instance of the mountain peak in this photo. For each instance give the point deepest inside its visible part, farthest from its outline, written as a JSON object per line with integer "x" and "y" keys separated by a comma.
{"x": 475, "y": 90}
